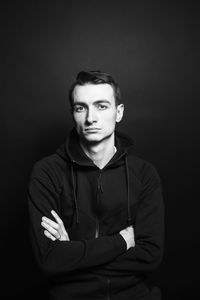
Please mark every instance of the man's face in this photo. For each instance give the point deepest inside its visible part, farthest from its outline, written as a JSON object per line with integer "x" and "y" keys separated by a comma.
{"x": 95, "y": 112}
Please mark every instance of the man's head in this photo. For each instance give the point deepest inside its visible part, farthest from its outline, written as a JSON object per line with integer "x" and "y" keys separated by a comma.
{"x": 95, "y": 77}
{"x": 95, "y": 104}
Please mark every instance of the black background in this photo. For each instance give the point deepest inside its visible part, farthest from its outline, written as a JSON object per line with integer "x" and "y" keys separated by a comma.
{"x": 152, "y": 49}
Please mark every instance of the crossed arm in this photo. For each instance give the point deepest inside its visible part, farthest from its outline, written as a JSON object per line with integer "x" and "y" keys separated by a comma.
{"x": 56, "y": 253}
{"x": 55, "y": 230}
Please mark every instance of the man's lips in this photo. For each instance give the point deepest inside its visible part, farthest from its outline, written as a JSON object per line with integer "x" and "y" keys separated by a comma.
{"x": 92, "y": 129}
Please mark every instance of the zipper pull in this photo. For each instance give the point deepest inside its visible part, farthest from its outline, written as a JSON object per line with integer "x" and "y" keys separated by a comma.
{"x": 99, "y": 182}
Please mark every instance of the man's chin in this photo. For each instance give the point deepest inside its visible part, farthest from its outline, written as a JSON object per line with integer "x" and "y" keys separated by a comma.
{"x": 91, "y": 138}
{"x": 94, "y": 139}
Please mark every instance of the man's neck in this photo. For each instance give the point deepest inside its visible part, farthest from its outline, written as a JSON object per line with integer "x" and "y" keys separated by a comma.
{"x": 100, "y": 153}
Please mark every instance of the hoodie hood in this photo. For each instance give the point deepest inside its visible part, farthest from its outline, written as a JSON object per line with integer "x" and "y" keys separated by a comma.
{"x": 72, "y": 151}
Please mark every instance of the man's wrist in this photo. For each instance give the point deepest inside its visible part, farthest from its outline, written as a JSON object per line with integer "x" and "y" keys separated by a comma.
{"x": 123, "y": 241}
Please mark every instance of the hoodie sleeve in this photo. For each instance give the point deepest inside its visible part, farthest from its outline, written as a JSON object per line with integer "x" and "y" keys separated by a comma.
{"x": 56, "y": 257}
{"x": 148, "y": 229}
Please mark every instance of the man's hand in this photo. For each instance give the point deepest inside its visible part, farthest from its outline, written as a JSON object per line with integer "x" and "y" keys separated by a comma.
{"x": 54, "y": 230}
{"x": 128, "y": 235}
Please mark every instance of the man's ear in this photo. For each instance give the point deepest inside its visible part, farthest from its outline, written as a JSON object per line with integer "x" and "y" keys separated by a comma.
{"x": 120, "y": 112}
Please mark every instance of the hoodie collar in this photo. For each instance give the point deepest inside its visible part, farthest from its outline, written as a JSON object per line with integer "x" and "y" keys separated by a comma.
{"x": 73, "y": 152}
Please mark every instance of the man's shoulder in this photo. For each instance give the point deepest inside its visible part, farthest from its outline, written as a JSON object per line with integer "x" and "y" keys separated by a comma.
{"x": 137, "y": 162}
{"x": 142, "y": 168}
{"x": 49, "y": 165}
{"x": 139, "y": 166}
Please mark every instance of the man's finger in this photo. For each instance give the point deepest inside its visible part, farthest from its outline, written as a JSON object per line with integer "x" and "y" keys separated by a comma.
{"x": 49, "y": 235}
{"x": 53, "y": 231}
{"x": 56, "y": 216}
{"x": 50, "y": 222}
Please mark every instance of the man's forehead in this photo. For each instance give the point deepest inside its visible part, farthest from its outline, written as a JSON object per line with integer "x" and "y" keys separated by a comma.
{"x": 93, "y": 92}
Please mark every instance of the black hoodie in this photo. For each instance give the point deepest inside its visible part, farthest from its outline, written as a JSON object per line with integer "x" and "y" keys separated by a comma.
{"x": 95, "y": 205}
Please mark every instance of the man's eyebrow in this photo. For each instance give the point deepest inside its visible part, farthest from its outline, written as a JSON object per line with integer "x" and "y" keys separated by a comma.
{"x": 95, "y": 102}
{"x": 102, "y": 101}
{"x": 80, "y": 103}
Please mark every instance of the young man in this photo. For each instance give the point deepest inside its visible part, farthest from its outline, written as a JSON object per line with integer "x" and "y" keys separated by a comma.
{"x": 96, "y": 210}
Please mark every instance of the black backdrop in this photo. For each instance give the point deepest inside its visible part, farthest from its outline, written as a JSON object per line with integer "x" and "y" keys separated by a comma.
{"x": 152, "y": 50}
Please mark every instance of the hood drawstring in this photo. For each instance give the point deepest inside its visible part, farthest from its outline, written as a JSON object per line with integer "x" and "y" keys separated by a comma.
{"x": 74, "y": 192}
{"x": 129, "y": 219}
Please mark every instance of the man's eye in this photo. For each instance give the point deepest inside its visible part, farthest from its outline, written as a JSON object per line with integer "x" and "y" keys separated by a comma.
{"x": 79, "y": 108}
{"x": 102, "y": 106}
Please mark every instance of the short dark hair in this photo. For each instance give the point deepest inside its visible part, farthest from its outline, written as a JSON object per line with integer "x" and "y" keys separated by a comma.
{"x": 95, "y": 77}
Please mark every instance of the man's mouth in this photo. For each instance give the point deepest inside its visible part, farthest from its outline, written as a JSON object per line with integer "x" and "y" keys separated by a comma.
{"x": 91, "y": 129}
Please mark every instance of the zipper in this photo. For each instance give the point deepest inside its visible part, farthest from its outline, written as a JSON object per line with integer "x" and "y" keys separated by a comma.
{"x": 99, "y": 187}
{"x": 108, "y": 290}
{"x": 99, "y": 190}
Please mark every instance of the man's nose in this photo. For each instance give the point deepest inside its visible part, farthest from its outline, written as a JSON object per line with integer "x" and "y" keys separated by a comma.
{"x": 91, "y": 116}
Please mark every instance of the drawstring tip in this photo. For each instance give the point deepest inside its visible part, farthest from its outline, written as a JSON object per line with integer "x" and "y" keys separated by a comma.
{"x": 129, "y": 221}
